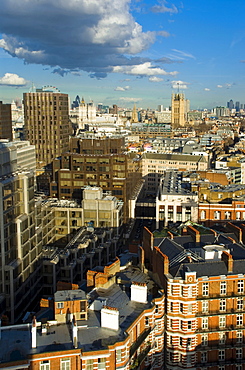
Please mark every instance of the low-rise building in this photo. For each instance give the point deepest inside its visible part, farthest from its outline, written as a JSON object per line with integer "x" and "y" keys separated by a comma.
{"x": 155, "y": 164}
{"x": 174, "y": 201}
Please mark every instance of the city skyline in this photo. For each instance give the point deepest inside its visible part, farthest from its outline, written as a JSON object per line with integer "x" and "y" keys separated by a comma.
{"x": 125, "y": 52}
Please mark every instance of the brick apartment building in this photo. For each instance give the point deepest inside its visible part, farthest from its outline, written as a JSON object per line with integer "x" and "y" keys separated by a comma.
{"x": 219, "y": 203}
{"x": 119, "y": 326}
{"x": 203, "y": 278}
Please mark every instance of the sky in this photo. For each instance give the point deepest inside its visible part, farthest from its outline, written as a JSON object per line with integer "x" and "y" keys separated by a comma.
{"x": 125, "y": 52}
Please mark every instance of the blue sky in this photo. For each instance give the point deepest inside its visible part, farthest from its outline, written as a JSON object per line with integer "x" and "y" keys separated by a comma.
{"x": 125, "y": 52}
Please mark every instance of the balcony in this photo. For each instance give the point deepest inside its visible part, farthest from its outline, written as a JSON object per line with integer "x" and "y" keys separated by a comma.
{"x": 139, "y": 341}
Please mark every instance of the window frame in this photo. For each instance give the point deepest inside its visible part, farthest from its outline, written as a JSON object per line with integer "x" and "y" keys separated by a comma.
{"x": 205, "y": 289}
{"x": 223, "y": 287}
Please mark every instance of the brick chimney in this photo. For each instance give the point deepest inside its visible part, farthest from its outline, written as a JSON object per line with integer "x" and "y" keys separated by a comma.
{"x": 228, "y": 259}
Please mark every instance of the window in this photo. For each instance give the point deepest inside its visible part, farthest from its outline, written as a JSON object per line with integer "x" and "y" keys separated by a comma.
{"x": 217, "y": 215}
{"x": 222, "y": 321}
{"x": 171, "y": 289}
{"x": 102, "y": 363}
{"x": 147, "y": 321}
{"x": 205, "y": 306}
{"x": 240, "y": 304}
{"x": 222, "y": 338}
{"x": 205, "y": 289}
{"x": 238, "y": 367}
{"x": 205, "y": 323}
{"x": 205, "y": 339}
{"x": 89, "y": 364}
{"x": 189, "y": 325}
{"x": 188, "y": 342}
{"x": 65, "y": 364}
{"x": 118, "y": 355}
{"x": 240, "y": 286}
{"x": 203, "y": 215}
{"x": 239, "y": 336}
{"x": 60, "y": 305}
{"x": 223, "y": 287}
{"x": 221, "y": 354}
{"x": 222, "y": 305}
{"x": 239, "y": 353}
{"x": 239, "y": 320}
{"x": 171, "y": 306}
{"x": 45, "y": 365}
{"x": 181, "y": 307}
{"x": 182, "y": 290}
{"x": 204, "y": 357}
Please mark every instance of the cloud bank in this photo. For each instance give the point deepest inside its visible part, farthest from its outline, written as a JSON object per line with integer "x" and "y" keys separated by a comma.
{"x": 74, "y": 35}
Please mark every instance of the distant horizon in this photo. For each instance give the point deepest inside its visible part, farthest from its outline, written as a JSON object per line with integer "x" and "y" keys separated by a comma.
{"x": 125, "y": 105}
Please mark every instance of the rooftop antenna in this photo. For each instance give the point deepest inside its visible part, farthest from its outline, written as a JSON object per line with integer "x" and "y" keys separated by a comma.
{"x": 33, "y": 88}
{"x": 178, "y": 87}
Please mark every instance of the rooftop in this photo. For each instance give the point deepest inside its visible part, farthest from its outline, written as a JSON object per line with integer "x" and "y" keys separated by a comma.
{"x": 91, "y": 336}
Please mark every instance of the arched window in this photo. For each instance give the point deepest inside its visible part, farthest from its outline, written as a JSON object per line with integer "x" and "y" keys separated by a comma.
{"x": 203, "y": 215}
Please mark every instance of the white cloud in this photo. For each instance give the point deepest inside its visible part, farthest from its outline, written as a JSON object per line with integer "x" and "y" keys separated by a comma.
{"x": 135, "y": 100}
{"x": 155, "y": 79}
{"x": 163, "y": 33}
{"x": 120, "y": 88}
{"x": 12, "y": 79}
{"x": 226, "y": 85}
{"x": 206, "y": 89}
{"x": 144, "y": 69}
{"x": 179, "y": 84}
{"x": 163, "y": 8}
{"x": 73, "y": 35}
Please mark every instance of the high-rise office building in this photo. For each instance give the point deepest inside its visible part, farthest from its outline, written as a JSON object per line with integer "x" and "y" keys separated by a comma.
{"x": 20, "y": 249}
{"x": 47, "y": 124}
{"x": 230, "y": 104}
{"x": 5, "y": 121}
{"x": 237, "y": 106}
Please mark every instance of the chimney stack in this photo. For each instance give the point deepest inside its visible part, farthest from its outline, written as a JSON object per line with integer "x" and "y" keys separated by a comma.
{"x": 74, "y": 332}
{"x": 110, "y": 318}
{"x": 34, "y": 333}
{"x": 227, "y": 258}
